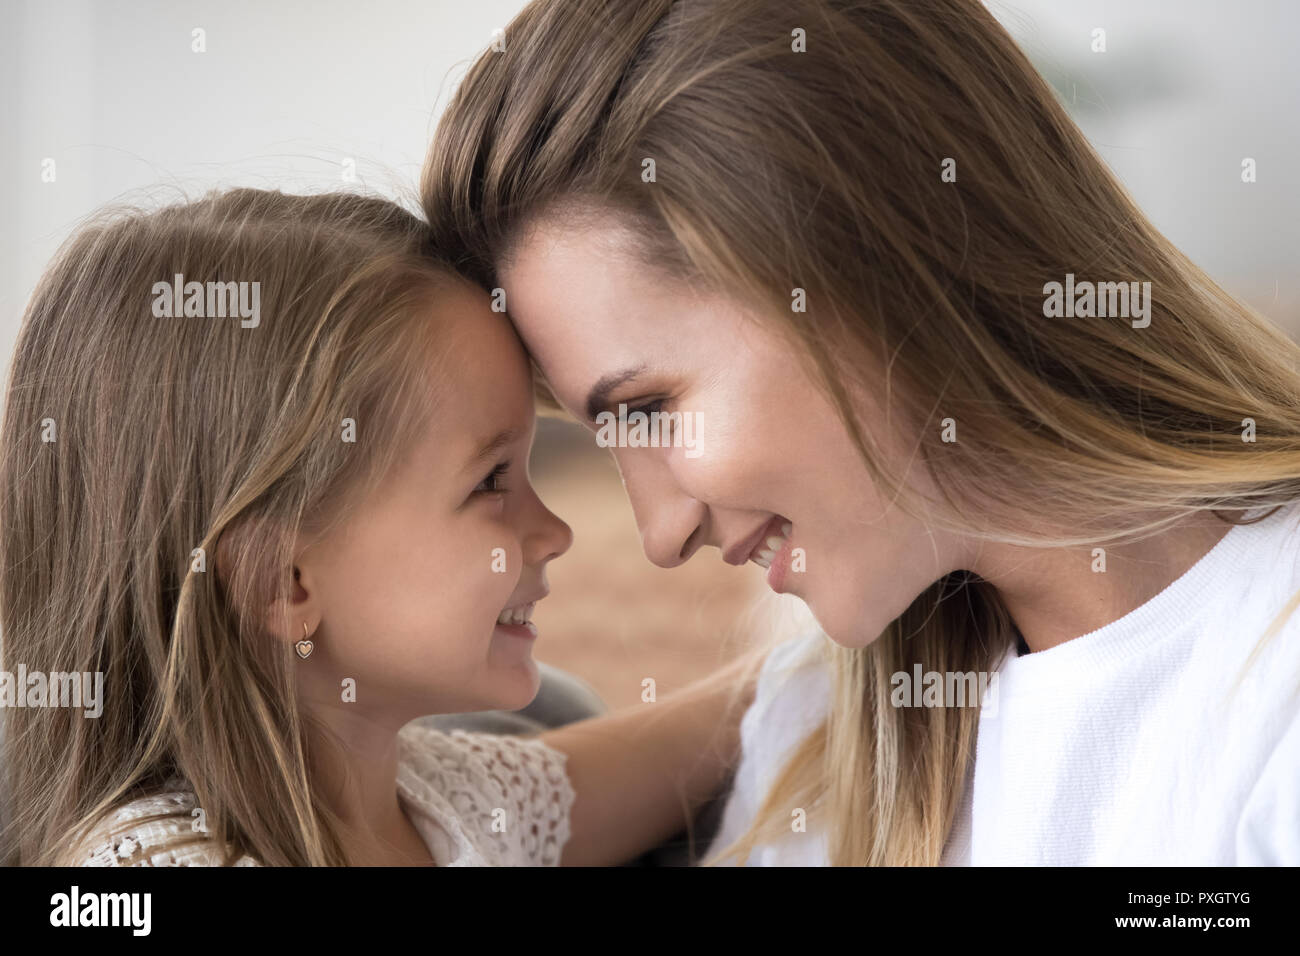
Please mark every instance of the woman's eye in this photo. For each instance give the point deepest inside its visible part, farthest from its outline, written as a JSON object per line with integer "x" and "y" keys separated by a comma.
{"x": 648, "y": 408}
{"x": 492, "y": 483}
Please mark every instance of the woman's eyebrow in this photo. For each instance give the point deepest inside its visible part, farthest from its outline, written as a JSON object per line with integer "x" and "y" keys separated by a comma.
{"x": 598, "y": 397}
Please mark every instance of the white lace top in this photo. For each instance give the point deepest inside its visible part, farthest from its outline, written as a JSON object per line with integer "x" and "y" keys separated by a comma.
{"x": 477, "y": 799}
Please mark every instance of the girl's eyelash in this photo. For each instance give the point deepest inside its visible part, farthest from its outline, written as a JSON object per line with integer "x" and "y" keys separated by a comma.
{"x": 493, "y": 476}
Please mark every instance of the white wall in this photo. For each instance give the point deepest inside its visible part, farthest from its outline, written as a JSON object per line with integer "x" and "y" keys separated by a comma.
{"x": 1185, "y": 90}
{"x": 286, "y": 90}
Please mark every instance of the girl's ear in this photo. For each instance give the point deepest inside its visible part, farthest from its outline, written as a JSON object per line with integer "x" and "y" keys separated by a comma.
{"x": 285, "y": 619}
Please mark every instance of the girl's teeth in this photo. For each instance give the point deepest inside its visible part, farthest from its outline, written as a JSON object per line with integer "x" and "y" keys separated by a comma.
{"x": 767, "y": 554}
{"x": 516, "y": 615}
{"x": 762, "y": 562}
{"x": 787, "y": 529}
{"x": 775, "y": 542}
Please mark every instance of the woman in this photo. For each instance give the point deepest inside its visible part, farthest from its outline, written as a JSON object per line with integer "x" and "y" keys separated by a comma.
{"x": 841, "y": 233}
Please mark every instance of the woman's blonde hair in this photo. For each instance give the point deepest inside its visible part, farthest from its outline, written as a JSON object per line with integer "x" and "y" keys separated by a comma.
{"x": 131, "y": 441}
{"x": 777, "y": 169}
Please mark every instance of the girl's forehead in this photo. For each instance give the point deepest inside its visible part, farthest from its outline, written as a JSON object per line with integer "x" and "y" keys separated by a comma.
{"x": 484, "y": 380}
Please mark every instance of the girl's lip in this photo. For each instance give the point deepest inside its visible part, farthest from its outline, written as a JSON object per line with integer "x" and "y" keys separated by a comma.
{"x": 527, "y": 631}
{"x": 525, "y": 601}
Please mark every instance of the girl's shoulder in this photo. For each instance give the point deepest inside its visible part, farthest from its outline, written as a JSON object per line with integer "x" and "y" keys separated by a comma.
{"x": 509, "y": 797}
{"x": 161, "y": 829}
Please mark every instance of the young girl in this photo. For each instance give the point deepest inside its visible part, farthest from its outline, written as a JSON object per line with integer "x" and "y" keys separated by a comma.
{"x": 265, "y": 473}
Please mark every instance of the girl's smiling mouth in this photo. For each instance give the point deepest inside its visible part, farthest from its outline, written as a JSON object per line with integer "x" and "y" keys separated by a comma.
{"x": 517, "y": 619}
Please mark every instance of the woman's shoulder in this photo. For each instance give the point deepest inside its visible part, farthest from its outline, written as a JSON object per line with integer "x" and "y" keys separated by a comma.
{"x": 511, "y": 795}
{"x": 155, "y": 830}
{"x": 1268, "y": 831}
{"x": 791, "y": 697}
{"x": 790, "y": 701}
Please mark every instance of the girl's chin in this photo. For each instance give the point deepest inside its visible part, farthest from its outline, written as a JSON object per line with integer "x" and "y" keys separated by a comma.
{"x": 516, "y": 686}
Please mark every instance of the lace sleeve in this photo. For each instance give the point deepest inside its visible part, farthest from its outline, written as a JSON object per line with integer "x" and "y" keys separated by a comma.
{"x": 126, "y": 838}
{"x": 511, "y": 795}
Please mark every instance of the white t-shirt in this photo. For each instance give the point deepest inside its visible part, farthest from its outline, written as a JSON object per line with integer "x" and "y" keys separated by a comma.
{"x": 1123, "y": 746}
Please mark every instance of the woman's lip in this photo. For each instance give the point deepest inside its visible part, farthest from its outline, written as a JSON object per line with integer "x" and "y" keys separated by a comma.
{"x": 776, "y": 574}
{"x": 773, "y": 529}
{"x": 741, "y": 553}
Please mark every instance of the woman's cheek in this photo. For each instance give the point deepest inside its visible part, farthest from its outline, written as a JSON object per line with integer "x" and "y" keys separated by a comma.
{"x": 736, "y": 470}
{"x": 713, "y": 477}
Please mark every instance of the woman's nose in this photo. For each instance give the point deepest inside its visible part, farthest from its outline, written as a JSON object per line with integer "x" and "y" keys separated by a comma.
{"x": 666, "y": 516}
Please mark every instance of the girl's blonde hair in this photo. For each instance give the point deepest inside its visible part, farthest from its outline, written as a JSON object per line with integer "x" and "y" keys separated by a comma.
{"x": 824, "y": 171}
{"x": 177, "y": 434}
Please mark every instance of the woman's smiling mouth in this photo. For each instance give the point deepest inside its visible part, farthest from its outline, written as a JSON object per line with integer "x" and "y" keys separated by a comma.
{"x": 774, "y": 541}
{"x": 773, "y": 551}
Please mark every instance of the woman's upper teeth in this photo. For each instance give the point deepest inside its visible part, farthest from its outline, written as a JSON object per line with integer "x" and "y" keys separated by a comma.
{"x": 516, "y": 615}
{"x": 767, "y": 551}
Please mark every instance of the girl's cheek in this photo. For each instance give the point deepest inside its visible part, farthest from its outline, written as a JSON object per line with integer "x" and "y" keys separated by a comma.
{"x": 495, "y": 549}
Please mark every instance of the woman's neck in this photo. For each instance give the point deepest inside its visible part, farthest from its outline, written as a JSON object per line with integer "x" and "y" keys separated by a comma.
{"x": 1055, "y": 594}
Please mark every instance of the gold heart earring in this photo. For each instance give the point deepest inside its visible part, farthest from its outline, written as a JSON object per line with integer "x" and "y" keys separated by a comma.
{"x": 304, "y": 647}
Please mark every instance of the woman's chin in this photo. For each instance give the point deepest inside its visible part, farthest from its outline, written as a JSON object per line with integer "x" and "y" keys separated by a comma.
{"x": 851, "y": 640}
{"x": 845, "y": 627}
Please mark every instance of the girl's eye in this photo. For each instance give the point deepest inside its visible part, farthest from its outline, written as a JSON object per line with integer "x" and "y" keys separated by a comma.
{"x": 491, "y": 484}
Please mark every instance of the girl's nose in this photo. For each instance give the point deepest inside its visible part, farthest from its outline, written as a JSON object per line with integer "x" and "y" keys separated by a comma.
{"x": 550, "y": 539}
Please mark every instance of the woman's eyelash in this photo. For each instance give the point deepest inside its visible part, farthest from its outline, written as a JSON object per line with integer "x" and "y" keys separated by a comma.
{"x": 492, "y": 480}
{"x": 648, "y": 408}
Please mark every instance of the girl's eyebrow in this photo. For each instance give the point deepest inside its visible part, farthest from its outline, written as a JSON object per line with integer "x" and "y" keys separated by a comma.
{"x": 598, "y": 397}
{"x": 490, "y": 447}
